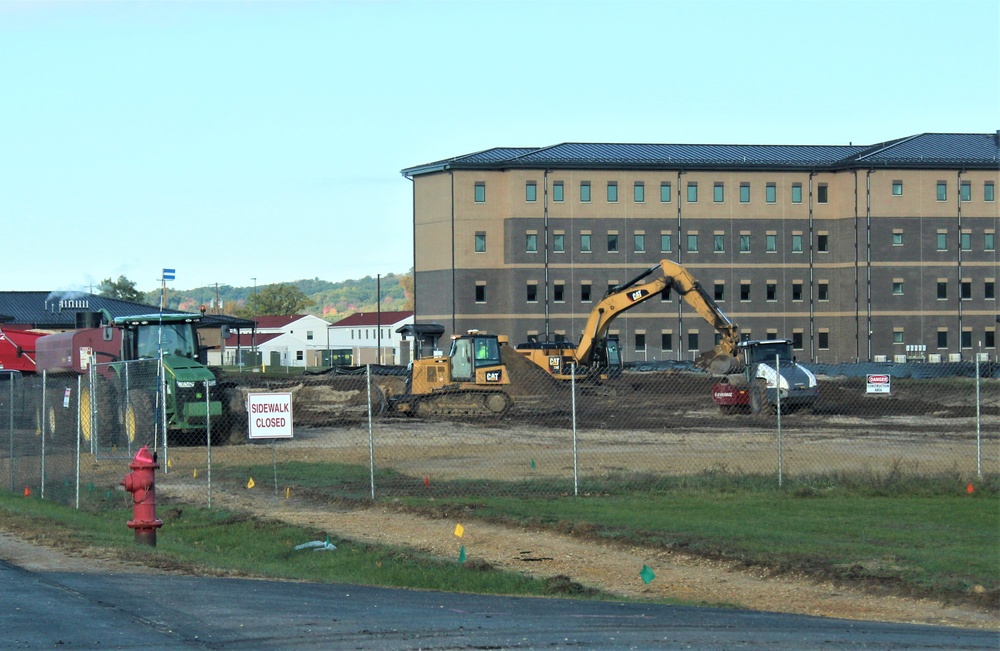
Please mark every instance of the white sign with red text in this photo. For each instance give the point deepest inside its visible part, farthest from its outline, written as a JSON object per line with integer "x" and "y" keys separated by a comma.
{"x": 270, "y": 415}
{"x": 878, "y": 383}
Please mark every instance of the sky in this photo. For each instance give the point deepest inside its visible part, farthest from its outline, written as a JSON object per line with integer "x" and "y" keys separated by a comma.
{"x": 246, "y": 143}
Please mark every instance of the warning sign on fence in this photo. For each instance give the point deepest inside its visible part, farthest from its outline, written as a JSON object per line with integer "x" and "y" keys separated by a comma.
{"x": 270, "y": 415}
{"x": 878, "y": 383}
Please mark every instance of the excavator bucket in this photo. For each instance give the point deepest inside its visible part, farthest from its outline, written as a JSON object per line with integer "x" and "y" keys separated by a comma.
{"x": 718, "y": 361}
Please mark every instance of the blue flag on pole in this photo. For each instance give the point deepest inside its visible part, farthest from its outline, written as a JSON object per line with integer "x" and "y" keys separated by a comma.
{"x": 168, "y": 274}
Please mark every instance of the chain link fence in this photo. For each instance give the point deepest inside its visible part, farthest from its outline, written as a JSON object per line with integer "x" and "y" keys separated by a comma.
{"x": 69, "y": 438}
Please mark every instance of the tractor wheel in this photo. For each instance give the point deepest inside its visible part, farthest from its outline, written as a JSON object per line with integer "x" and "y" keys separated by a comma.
{"x": 137, "y": 418}
{"x": 759, "y": 403}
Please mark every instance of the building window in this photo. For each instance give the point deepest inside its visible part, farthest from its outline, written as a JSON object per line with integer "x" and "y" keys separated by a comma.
{"x": 897, "y": 287}
{"x": 744, "y": 243}
{"x": 942, "y": 339}
{"x": 559, "y": 292}
{"x": 640, "y": 342}
{"x": 796, "y": 290}
{"x": 639, "y": 192}
{"x": 942, "y": 190}
{"x": 665, "y": 193}
{"x": 585, "y": 191}
{"x": 823, "y": 340}
{"x": 558, "y": 242}
{"x": 585, "y": 292}
{"x": 770, "y": 193}
{"x": 990, "y": 338}
{"x": 480, "y": 192}
{"x": 965, "y": 191}
{"x": 480, "y": 242}
{"x": 558, "y": 191}
{"x": 718, "y": 243}
{"x": 965, "y": 240}
{"x": 822, "y": 193}
{"x": 639, "y": 243}
{"x": 771, "y": 242}
{"x": 965, "y": 290}
{"x": 988, "y": 191}
{"x": 897, "y": 336}
{"x": 989, "y": 289}
{"x": 718, "y": 192}
{"x": 942, "y": 290}
{"x": 665, "y": 243}
{"x": 531, "y": 243}
{"x": 530, "y": 191}
{"x": 796, "y": 193}
{"x": 822, "y": 291}
{"x": 693, "y": 192}
{"x": 897, "y": 238}
{"x": 666, "y": 341}
{"x": 532, "y": 293}
{"x": 772, "y": 291}
{"x": 745, "y": 291}
{"x": 309, "y": 335}
{"x": 585, "y": 243}
{"x": 823, "y": 243}
{"x": 693, "y": 242}
{"x": 480, "y": 292}
{"x": 796, "y": 339}
{"x": 693, "y": 340}
{"x": 796, "y": 243}
{"x": 612, "y": 192}
{"x": 966, "y": 341}
{"x": 988, "y": 241}
{"x": 299, "y": 356}
{"x": 942, "y": 241}
{"x": 612, "y": 242}
{"x": 720, "y": 291}
{"x": 744, "y": 193}
{"x": 897, "y": 188}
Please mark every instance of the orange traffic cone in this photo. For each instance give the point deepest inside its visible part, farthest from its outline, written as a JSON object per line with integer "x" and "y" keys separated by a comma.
{"x": 27, "y": 492}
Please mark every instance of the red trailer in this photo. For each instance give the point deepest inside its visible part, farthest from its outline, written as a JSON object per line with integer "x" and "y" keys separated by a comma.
{"x": 17, "y": 349}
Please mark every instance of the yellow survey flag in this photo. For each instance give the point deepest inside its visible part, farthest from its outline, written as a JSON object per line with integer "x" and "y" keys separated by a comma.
{"x": 459, "y": 530}
{"x": 170, "y": 464}
{"x": 196, "y": 473}
{"x": 250, "y": 483}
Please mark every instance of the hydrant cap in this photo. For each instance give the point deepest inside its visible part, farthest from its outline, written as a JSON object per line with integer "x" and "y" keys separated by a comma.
{"x": 144, "y": 456}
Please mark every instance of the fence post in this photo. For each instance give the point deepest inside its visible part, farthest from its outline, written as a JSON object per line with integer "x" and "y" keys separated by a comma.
{"x": 572, "y": 383}
{"x": 41, "y": 490}
{"x": 79, "y": 384}
{"x": 371, "y": 436}
{"x": 979, "y": 421}
{"x": 208, "y": 439}
{"x": 10, "y": 459}
{"x": 777, "y": 382}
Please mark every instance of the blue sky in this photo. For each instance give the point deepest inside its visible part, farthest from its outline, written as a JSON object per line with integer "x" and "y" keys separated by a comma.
{"x": 241, "y": 140}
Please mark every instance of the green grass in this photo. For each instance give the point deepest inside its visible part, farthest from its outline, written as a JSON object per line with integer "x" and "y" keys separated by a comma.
{"x": 231, "y": 543}
{"x": 922, "y": 535}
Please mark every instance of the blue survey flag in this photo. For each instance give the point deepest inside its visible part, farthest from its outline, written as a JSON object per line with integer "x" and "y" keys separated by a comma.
{"x": 168, "y": 274}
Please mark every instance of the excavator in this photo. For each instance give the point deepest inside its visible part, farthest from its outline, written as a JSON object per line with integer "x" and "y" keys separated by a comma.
{"x": 598, "y": 355}
{"x": 466, "y": 382}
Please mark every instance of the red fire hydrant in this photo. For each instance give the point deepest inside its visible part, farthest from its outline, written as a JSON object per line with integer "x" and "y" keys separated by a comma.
{"x": 141, "y": 482}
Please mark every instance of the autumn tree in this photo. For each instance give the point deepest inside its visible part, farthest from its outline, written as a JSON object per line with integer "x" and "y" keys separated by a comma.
{"x": 122, "y": 289}
{"x": 275, "y": 300}
{"x": 406, "y": 282}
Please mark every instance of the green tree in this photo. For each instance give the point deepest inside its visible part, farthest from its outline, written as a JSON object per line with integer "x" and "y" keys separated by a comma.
{"x": 275, "y": 300}
{"x": 123, "y": 289}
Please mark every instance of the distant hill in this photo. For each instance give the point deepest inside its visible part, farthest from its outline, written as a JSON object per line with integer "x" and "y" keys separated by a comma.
{"x": 333, "y": 301}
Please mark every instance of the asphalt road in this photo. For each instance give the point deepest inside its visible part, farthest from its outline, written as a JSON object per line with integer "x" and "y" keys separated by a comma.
{"x": 73, "y": 610}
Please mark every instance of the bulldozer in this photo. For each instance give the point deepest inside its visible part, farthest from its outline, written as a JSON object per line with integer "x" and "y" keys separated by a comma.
{"x": 466, "y": 382}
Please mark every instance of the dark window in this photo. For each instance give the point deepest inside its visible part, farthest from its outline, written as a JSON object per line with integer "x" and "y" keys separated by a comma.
{"x": 612, "y": 243}
{"x": 720, "y": 292}
{"x": 666, "y": 341}
{"x": 966, "y": 289}
{"x": 797, "y": 340}
{"x": 797, "y": 291}
{"x": 640, "y": 342}
{"x": 772, "y": 291}
{"x": 822, "y": 195}
{"x": 558, "y": 292}
{"x": 744, "y": 291}
{"x": 480, "y": 293}
{"x": 692, "y": 341}
{"x": 823, "y": 243}
{"x": 532, "y": 293}
{"x": 823, "y": 340}
{"x": 822, "y": 291}
{"x": 989, "y": 289}
{"x": 990, "y": 339}
{"x": 967, "y": 339}
{"x": 942, "y": 289}
{"x": 585, "y": 292}
{"x": 942, "y": 339}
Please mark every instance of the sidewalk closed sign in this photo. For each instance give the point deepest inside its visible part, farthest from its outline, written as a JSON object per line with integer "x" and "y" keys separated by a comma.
{"x": 270, "y": 415}
{"x": 878, "y": 384}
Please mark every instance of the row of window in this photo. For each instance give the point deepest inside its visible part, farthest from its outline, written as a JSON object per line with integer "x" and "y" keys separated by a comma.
{"x": 719, "y": 191}
{"x": 719, "y": 239}
{"x": 371, "y": 333}
{"x": 770, "y": 291}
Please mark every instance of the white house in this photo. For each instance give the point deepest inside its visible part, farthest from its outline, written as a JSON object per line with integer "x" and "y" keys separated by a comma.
{"x": 293, "y": 340}
{"x": 368, "y": 333}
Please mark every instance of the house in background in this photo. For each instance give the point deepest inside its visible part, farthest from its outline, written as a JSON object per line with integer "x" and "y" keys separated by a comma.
{"x": 291, "y": 340}
{"x": 372, "y": 337}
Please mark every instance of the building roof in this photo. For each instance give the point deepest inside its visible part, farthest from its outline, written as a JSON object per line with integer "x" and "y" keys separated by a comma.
{"x": 247, "y": 340}
{"x": 373, "y": 318}
{"x": 58, "y": 310}
{"x": 927, "y": 150}
{"x": 278, "y": 321}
